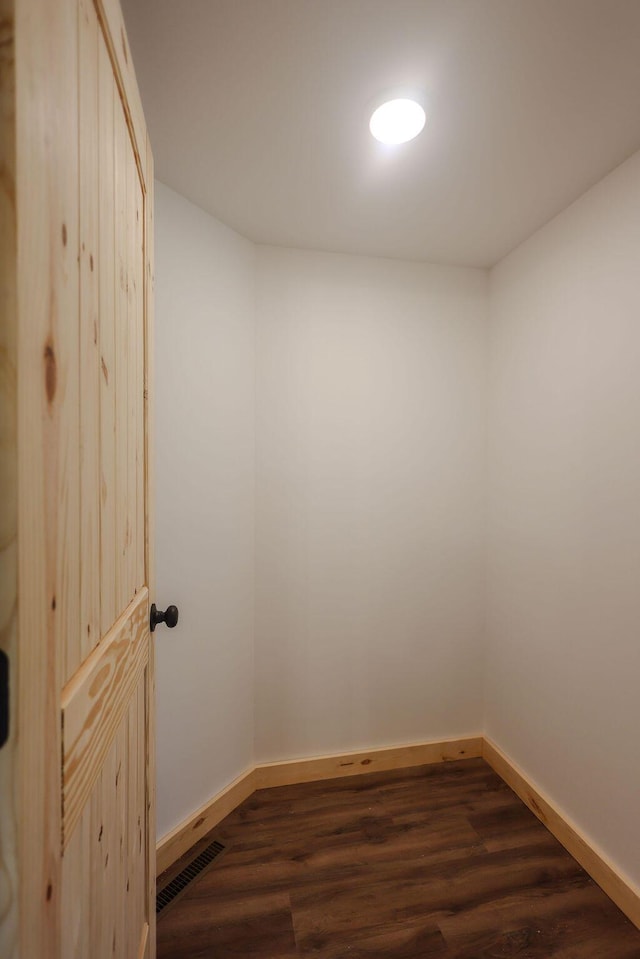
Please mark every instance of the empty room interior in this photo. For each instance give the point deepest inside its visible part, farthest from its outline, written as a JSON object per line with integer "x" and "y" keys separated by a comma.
{"x": 396, "y": 412}
{"x": 398, "y": 466}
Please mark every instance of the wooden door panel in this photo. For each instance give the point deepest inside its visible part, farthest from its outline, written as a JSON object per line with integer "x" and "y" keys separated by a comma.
{"x": 139, "y": 437}
{"x": 90, "y": 265}
{"x": 120, "y": 371}
{"x": 62, "y": 357}
{"x": 104, "y": 868}
{"x": 80, "y": 257}
{"x": 9, "y": 866}
{"x": 94, "y": 703}
{"x": 40, "y": 44}
{"x": 101, "y": 551}
{"x": 136, "y": 377}
{"x": 104, "y": 703}
{"x": 107, "y": 106}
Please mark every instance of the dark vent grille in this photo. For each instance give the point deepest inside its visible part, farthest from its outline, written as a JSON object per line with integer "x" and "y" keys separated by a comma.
{"x": 178, "y": 885}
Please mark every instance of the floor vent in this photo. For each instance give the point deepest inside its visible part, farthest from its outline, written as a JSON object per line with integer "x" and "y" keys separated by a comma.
{"x": 179, "y": 883}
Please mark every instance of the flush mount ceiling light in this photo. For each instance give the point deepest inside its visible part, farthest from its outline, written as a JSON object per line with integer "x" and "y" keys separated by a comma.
{"x": 397, "y": 121}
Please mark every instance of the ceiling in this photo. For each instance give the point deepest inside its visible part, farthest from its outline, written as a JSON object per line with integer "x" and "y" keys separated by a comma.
{"x": 258, "y": 112}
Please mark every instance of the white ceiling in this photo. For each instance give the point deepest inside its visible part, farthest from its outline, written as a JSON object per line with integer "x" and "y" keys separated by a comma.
{"x": 258, "y": 112}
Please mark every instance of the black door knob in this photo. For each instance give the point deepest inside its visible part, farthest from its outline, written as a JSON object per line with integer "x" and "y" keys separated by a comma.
{"x": 169, "y": 617}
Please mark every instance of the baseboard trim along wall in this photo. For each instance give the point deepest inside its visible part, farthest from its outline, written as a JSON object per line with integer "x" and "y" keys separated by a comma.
{"x": 289, "y": 772}
{"x": 203, "y": 820}
{"x": 625, "y": 895}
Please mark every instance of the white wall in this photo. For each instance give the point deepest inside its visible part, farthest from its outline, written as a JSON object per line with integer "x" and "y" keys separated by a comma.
{"x": 563, "y": 669}
{"x": 370, "y": 491}
{"x": 369, "y": 539}
{"x": 205, "y": 504}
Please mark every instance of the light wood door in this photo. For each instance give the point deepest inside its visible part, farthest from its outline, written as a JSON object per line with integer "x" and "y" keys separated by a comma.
{"x": 77, "y": 843}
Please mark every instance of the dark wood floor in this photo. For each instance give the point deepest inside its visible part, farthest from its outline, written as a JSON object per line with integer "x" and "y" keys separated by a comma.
{"x": 438, "y": 861}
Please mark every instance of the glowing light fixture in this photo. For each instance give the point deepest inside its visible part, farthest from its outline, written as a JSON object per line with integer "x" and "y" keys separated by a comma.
{"x": 397, "y": 121}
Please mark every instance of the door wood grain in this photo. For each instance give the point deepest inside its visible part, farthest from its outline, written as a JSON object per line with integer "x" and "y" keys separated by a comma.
{"x": 76, "y": 522}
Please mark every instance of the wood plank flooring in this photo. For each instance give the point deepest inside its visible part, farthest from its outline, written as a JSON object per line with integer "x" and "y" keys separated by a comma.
{"x": 436, "y": 862}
